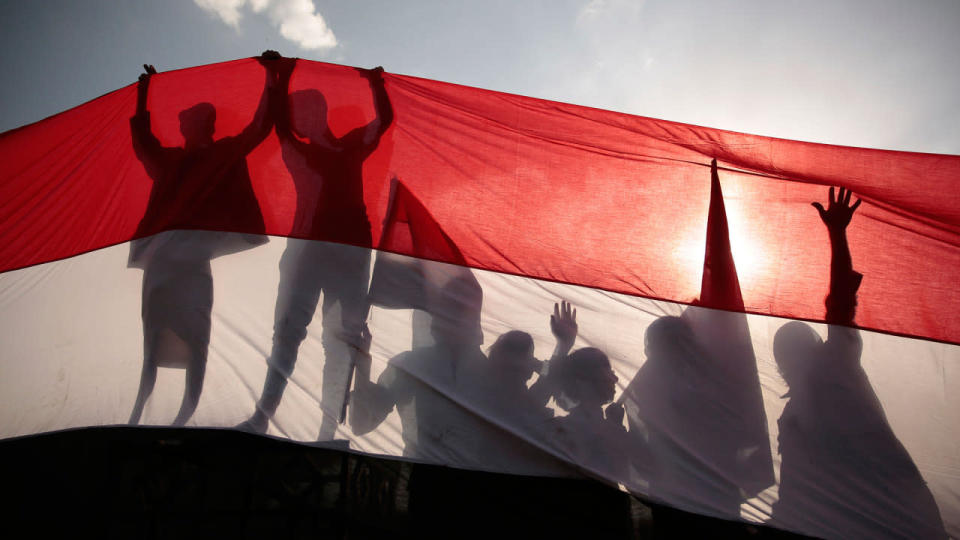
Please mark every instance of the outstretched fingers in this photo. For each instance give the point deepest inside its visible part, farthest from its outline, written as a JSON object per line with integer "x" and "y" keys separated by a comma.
{"x": 568, "y": 311}
{"x": 844, "y": 198}
{"x": 839, "y": 211}
{"x": 563, "y": 323}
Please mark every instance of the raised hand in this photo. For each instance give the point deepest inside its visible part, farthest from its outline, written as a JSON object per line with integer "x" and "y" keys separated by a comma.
{"x": 839, "y": 211}
{"x": 373, "y": 75}
{"x": 563, "y": 324}
{"x": 148, "y": 70}
{"x": 270, "y": 55}
{"x": 143, "y": 87}
{"x": 274, "y": 63}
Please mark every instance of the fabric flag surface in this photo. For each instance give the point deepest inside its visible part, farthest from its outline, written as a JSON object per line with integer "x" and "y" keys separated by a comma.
{"x": 739, "y": 326}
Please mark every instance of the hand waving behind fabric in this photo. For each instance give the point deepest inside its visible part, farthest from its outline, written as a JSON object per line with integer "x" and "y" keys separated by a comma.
{"x": 839, "y": 211}
{"x": 563, "y": 324}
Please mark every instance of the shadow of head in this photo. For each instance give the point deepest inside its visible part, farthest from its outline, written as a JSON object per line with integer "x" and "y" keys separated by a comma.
{"x": 512, "y": 354}
{"x": 197, "y": 124}
{"x": 586, "y": 378}
{"x": 670, "y": 340}
{"x": 456, "y": 316}
{"x": 793, "y": 346}
{"x": 308, "y": 114}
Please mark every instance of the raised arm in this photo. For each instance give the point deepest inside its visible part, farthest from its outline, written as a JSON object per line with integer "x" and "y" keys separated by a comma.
{"x": 267, "y": 109}
{"x": 371, "y": 133}
{"x": 145, "y": 144}
{"x": 563, "y": 324}
{"x": 841, "y": 301}
{"x": 143, "y": 86}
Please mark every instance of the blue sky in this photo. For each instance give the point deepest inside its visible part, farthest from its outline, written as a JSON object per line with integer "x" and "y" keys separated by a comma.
{"x": 878, "y": 73}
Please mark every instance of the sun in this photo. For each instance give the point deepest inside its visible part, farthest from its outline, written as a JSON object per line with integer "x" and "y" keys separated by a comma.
{"x": 751, "y": 259}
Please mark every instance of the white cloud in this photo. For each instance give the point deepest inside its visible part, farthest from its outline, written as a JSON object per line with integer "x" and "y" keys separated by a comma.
{"x": 227, "y": 10}
{"x": 297, "y": 20}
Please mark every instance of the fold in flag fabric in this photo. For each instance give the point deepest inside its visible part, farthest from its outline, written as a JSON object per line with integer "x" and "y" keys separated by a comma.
{"x": 260, "y": 243}
{"x": 416, "y": 281}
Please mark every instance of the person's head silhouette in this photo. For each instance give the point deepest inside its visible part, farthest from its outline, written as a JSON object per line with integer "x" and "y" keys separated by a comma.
{"x": 308, "y": 114}
{"x": 586, "y": 378}
{"x": 197, "y": 125}
{"x": 512, "y": 356}
{"x": 456, "y": 315}
{"x": 670, "y": 341}
{"x": 793, "y": 346}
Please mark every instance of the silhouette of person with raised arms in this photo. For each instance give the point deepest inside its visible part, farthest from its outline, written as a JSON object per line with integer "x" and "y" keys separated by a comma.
{"x": 591, "y": 436}
{"x": 333, "y": 167}
{"x": 836, "y": 446}
{"x": 201, "y": 188}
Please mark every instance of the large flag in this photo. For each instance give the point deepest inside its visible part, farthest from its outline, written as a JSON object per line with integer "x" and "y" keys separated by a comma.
{"x": 141, "y": 237}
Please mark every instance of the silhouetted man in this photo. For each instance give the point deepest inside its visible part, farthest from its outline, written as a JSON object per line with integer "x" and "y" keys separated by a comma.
{"x": 426, "y": 386}
{"x": 843, "y": 473}
{"x": 333, "y": 167}
{"x": 425, "y": 383}
{"x": 201, "y": 188}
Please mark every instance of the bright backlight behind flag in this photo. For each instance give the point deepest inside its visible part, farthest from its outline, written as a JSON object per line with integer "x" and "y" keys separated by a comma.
{"x": 252, "y": 262}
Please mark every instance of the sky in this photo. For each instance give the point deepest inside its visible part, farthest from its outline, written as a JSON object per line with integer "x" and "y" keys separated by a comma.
{"x": 872, "y": 73}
